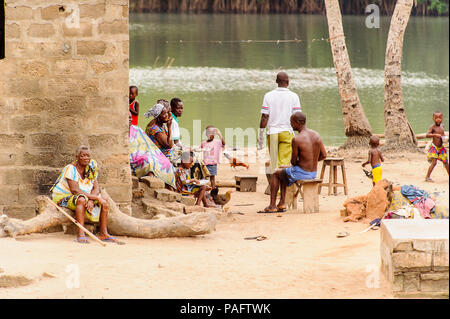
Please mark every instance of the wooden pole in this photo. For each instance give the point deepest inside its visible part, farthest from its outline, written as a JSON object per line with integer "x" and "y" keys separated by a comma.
{"x": 77, "y": 223}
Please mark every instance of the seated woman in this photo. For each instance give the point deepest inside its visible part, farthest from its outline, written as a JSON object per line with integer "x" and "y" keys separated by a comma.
{"x": 158, "y": 132}
{"x": 77, "y": 189}
{"x": 147, "y": 159}
{"x": 186, "y": 185}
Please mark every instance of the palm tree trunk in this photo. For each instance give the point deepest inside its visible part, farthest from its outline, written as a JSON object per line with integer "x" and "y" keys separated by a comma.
{"x": 357, "y": 127}
{"x": 398, "y": 131}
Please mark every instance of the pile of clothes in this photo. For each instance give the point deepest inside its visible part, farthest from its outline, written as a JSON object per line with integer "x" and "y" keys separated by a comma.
{"x": 388, "y": 201}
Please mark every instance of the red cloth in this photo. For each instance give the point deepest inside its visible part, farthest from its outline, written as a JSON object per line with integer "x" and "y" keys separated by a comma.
{"x": 134, "y": 118}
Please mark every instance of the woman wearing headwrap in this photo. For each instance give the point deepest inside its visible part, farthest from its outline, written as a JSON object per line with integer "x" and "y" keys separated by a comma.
{"x": 158, "y": 133}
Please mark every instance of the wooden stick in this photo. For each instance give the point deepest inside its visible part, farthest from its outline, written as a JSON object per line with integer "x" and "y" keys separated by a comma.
{"x": 77, "y": 223}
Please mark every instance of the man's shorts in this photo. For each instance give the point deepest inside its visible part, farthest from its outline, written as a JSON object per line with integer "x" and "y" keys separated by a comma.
{"x": 212, "y": 169}
{"x": 70, "y": 202}
{"x": 295, "y": 173}
{"x": 377, "y": 173}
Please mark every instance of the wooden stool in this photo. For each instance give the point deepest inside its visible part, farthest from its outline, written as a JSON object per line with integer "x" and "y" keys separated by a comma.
{"x": 309, "y": 194}
{"x": 246, "y": 183}
{"x": 332, "y": 178}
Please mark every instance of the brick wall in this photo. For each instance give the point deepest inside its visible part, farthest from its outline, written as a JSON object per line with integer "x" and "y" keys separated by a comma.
{"x": 416, "y": 267}
{"x": 63, "y": 83}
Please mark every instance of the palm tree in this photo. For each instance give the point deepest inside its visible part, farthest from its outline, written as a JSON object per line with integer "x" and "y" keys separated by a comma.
{"x": 397, "y": 130}
{"x": 357, "y": 127}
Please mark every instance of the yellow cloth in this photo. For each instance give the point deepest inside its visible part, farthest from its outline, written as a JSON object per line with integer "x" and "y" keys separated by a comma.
{"x": 377, "y": 173}
{"x": 71, "y": 203}
{"x": 280, "y": 149}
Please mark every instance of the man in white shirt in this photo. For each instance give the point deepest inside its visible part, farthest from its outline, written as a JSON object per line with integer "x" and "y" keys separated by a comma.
{"x": 277, "y": 108}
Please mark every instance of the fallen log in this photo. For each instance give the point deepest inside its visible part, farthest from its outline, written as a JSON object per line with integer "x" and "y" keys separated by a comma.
{"x": 222, "y": 183}
{"x": 420, "y": 136}
{"x": 182, "y": 226}
{"x": 120, "y": 224}
{"x": 48, "y": 216}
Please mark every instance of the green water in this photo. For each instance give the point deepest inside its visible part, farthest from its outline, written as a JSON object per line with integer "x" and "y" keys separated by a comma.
{"x": 223, "y": 84}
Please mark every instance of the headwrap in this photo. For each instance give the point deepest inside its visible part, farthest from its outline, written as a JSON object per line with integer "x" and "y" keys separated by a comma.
{"x": 155, "y": 111}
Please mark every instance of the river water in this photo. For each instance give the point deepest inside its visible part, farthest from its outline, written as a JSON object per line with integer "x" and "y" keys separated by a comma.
{"x": 223, "y": 64}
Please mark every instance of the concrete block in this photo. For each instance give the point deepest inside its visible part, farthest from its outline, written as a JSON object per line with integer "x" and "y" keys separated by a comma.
{"x": 411, "y": 281}
{"x": 7, "y": 140}
{"x": 114, "y": 27}
{"x": 413, "y": 260}
{"x": 403, "y": 246}
{"x": 71, "y": 67}
{"x": 72, "y": 229}
{"x": 188, "y": 200}
{"x": 21, "y": 212}
{"x": 135, "y": 182}
{"x": 18, "y": 13}
{"x": 166, "y": 195}
{"x": 12, "y": 30}
{"x": 434, "y": 275}
{"x": 397, "y": 282}
{"x": 9, "y": 194}
{"x": 430, "y": 245}
{"x": 94, "y": 11}
{"x": 84, "y": 30}
{"x": 99, "y": 67}
{"x": 152, "y": 182}
{"x": 89, "y": 48}
{"x": 55, "y": 49}
{"x": 54, "y": 12}
{"x": 440, "y": 260}
{"x": 440, "y": 285}
{"x": 41, "y": 30}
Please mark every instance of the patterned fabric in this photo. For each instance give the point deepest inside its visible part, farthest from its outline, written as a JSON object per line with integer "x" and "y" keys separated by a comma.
{"x": 183, "y": 175}
{"x": 71, "y": 203}
{"x": 62, "y": 195}
{"x": 146, "y": 157}
{"x": 152, "y": 132}
{"x": 437, "y": 152}
{"x": 61, "y": 188}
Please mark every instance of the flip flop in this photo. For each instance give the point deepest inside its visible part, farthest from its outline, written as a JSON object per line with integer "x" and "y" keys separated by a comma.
{"x": 258, "y": 238}
{"x": 112, "y": 239}
{"x": 81, "y": 240}
{"x": 281, "y": 210}
{"x": 267, "y": 211}
{"x": 342, "y": 234}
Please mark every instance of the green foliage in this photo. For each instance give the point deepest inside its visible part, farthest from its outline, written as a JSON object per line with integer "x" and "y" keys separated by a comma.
{"x": 439, "y": 6}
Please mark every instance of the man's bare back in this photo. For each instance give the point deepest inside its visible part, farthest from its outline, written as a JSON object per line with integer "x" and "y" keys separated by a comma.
{"x": 307, "y": 150}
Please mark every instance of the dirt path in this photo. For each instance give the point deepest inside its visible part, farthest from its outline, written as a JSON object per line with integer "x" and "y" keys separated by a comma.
{"x": 302, "y": 258}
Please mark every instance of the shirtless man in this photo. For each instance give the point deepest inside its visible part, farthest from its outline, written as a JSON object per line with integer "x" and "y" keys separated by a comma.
{"x": 437, "y": 150}
{"x": 307, "y": 151}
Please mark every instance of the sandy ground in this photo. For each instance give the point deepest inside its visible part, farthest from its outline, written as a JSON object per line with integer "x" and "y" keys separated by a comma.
{"x": 302, "y": 257}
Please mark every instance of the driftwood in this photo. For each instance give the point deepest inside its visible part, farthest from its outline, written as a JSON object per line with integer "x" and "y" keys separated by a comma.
{"x": 196, "y": 223}
{"x": 420, "y": 136}
{"x": 224, "y": 183}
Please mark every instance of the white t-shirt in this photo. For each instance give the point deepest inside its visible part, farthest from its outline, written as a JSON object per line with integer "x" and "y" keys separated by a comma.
{"x": 175, "y": 129}
{"x": 280, "y": 104}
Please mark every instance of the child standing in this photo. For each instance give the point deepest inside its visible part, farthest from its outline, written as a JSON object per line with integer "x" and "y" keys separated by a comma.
{"x": 134, "y": 105}
{"x": 437, "y": 150}
{"x": 375, "y": 159}
{"x": 185, "y": 184}
{"x": 211, "y": 152}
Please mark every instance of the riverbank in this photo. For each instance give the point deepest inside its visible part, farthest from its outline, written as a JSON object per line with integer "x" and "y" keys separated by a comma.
{"x": 301, "y": 257}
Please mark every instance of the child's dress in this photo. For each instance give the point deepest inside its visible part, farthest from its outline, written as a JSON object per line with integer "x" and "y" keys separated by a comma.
{"x": 211, "y": 155}
{"x": 182, "y": 178}
{"x": 134, "y": 118}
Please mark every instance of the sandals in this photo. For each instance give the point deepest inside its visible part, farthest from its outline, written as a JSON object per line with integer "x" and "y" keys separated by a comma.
{"x": 81, "y": 240}
{"x": 258, "y": 238}
{"x": 270, "y": 211}
{"x": 112, "y": 239}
